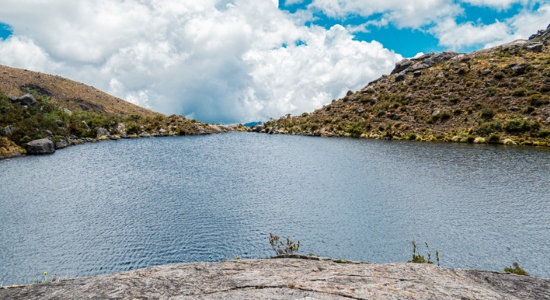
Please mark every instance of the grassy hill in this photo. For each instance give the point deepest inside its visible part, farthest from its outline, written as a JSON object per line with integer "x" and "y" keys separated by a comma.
{"x": 67, "y": 93}
{"x": 69, "y": 113}
{"x": 498, "y": 95}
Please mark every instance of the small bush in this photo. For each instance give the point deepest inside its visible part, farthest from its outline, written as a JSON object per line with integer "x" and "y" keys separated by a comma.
{"x": 282, "y": 248}
{"x": 487, "y": 113}
{"x": 538, "y": 100}
{"x": 492, "y": 91}
{"x": 494, "y": 138}
{"x": 518, "y": 125}
{"x": 520, "y": 92}
{"x": 516, "y": 270}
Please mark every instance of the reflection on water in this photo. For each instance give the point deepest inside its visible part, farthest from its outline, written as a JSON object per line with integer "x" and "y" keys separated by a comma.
{"x": 116, "y": 206}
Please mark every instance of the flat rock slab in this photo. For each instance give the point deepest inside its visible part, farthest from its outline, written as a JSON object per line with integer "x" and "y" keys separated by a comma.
{"x": 291, "y": 279}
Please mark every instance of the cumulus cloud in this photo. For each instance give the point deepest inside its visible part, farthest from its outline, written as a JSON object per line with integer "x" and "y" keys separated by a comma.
{"x": 520, "y": 26}
{"x": 412, "y": 13}
{"x": 217, "y": 60}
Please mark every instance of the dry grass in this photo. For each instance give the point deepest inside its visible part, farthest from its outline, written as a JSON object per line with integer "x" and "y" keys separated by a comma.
{"x": 479, "y": 95}
{"x": 67, "y": 93}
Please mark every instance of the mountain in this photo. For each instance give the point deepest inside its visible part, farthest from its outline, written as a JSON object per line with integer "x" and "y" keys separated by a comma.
{"x": 497, "y": 95}
{"x": 40, "y": 113}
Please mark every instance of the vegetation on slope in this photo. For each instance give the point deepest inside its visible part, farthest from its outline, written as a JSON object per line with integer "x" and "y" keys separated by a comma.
{"x": 67, "y": 93}
{"x": 498, "y": 95}
{"x": 103, "y": 117}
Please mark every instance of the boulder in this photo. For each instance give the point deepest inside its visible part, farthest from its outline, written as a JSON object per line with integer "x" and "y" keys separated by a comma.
{"x": 102, "y": 131}
{"x": 9, "y": 130}
{"x": 48, "y": 133}
{"x": 259, "y": 128}
{"x": 26, "y": 99}
{"x": 400, "y": 77}
{"x": 402, "y": 65}
{"x": 520, "y": 69}
{"x": 535, "y": 47}
{"x": 39, "y": 147}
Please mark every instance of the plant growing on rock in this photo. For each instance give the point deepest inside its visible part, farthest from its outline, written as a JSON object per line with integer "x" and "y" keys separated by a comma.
{"x": 283, "y": 248}
{"x": 516, "y": 270}
{"x": 420, "y": 259}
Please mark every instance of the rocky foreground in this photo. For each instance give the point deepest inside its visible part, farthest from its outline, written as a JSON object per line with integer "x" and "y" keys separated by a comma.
{"x": 291, "y": 279}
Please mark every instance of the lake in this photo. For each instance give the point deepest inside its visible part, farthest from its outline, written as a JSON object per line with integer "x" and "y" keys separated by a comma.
{"x": 122, "y": 205}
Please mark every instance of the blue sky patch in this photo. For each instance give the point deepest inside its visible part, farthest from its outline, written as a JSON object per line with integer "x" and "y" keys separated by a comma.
{"x": 408, "y": 41}
{"x": 5, "y": 31}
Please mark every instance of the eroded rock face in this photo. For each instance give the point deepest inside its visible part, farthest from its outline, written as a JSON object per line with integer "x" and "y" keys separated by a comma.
{"x": 291, "y": 279}
{"x": 40, "y": 147}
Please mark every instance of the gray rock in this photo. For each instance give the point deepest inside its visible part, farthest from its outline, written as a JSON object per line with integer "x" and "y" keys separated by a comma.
{"x": 402, "y": 65}
{"x": 102, "y": 131}
{"x": 9, "y": 130}
{"x": 62, "y": 143}
{"x": 285, "y": 278}
{"x": 26, "y": 99}
{"x": 417, "y": 73}
{"x": 519, "y": 69}
{"x": 400, "y": 77}
{"x": 368, "y": 90}
{"x": 258, "y": 128}
{"x": 12, "y": 98}
{"x": 70, "y": 113}
{"x": 535, "y": 47}
{"x": 124, "y": 135}
{"x": 144, "y": 135}
{"x": 48, "y": 133}
{"x": 39, "y": 147}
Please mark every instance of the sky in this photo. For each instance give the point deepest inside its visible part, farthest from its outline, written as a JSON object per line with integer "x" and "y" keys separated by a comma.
{"x": 237, "y": 61}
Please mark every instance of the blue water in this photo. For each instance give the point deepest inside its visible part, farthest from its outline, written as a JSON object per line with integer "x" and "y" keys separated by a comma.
{"x": 122, "y": 205}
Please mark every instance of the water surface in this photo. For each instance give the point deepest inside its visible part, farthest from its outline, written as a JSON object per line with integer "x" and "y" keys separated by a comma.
{"x": 122, "y": 205}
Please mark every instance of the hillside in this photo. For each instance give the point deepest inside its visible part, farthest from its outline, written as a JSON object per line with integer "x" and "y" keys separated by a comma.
{"x": 497, "y": 95}
{"x": 41, "y": 113}
{"x": 65, "y": 92}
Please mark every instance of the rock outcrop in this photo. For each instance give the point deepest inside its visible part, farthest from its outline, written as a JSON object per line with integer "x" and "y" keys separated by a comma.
{"x": 26, "y": 99}
{"x": 39, "y": 147}
{"x": 291, "y": 279}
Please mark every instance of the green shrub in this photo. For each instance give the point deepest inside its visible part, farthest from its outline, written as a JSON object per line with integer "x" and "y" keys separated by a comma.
{"x": 518, "y": 125}
{"x": 494, "y": 138}
{"x": 516, "y": 270}
{"x": 538, "y": 100}
{"x": 492, "y": 91}
{"x": 520, "y": 92}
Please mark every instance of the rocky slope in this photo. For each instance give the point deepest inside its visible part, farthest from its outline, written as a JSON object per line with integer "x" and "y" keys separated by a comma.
{"x": 40, "y": 113}
{"x": 70, "y": 94}
{"x": 497, "y": 95}
{"x": 291, "y": 279}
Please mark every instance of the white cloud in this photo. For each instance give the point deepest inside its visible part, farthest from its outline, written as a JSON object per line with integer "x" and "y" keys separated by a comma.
{"x": 500, "y": 4}
{"x": 456, "y": 36}
{"x": 412, "y": 13}
{"x": 218, "y": 60}
{"x": 520, "y": 26}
